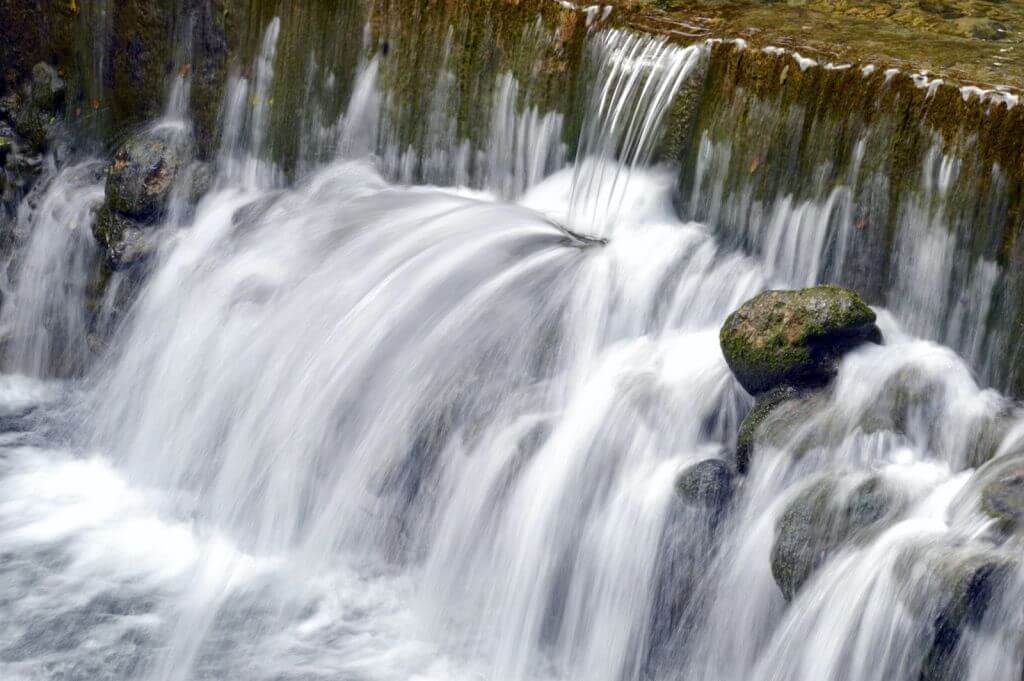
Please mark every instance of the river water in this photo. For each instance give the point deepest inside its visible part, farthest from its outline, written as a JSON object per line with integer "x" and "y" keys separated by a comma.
{"x": 354, "y": 428}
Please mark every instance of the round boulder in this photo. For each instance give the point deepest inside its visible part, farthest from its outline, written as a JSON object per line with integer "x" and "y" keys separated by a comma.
{"x": 795, "y": 337}
{"x": 707, "y": 484}
{"x": 143, "y": 172}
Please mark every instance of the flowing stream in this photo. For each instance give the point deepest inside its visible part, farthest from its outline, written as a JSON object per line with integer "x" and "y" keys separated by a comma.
{"x": 358, "y": 428}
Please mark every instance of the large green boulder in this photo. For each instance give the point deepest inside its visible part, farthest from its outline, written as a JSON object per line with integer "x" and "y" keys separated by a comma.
{"x": 794, "y": 338}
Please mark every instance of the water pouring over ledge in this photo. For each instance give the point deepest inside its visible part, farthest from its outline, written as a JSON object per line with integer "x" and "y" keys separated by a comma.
{"x": 357, "y": 429}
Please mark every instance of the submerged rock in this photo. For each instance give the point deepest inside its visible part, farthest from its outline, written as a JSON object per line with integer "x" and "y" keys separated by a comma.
{"x": 822, "y": 519}
{"x": 1002, "y": 490}
{"x": 766, "y": 405}
{"x": 794, "y": 338}
{"x": 708, "y": 484}
{"x": 951, "y": 587}
{"x": 142, "y": 174}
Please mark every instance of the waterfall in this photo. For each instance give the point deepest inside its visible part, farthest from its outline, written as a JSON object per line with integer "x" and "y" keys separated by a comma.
{"x": 46, "y": 301}
{"x": 417, "y": 409}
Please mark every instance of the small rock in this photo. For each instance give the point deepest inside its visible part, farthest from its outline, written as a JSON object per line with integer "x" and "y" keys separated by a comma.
{"x": 708, "y": 484}
{"x": 795, "y": 338}
{"x": 767, "y": 404}
{"x": 822, "y": 519}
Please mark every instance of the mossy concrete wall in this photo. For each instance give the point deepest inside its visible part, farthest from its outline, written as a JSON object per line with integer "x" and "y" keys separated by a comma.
{"x": 791, "y": 131}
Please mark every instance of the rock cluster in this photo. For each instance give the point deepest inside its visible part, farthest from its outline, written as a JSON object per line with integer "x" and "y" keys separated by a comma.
{"x": 783, "y": 347}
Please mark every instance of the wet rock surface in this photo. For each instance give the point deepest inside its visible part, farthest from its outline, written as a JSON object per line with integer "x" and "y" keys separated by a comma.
{"x": 822, "y": 519}
{"x": 708, "y": 484}
{"x": 795, "y": 338}
{"x": 143, "y": 171}
{"x": 951, "y": 587}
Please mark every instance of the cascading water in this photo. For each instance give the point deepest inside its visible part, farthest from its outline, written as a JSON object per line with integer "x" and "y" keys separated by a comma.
{"x": 357, "y": 429}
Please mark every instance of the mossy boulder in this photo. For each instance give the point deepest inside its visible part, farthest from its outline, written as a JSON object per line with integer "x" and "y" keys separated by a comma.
{"x": 794, "y": 338}
{"x": 33, "y": 110}
{"x": 708, "y": 484}
{"x": 822, "y": 519}
{"x": 142, "y": 174}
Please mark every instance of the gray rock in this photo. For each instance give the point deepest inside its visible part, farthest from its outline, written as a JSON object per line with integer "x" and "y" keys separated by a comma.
{"x": 951, "y": 588}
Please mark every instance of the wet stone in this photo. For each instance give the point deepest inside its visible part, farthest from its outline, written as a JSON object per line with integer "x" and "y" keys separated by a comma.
{"x": 795, "y": 338}
{"x": 708, "y": 484}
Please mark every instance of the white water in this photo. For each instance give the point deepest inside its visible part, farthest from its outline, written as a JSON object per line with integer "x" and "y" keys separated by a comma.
{"x": 353, "y": 429}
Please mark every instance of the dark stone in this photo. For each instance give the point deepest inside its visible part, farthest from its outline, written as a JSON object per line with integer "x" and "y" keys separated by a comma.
{"x": 143, "y": 172}
{"x": 765, "y": 405}
{"x": 708, "y": 484}
{"x": 795, "y": 338}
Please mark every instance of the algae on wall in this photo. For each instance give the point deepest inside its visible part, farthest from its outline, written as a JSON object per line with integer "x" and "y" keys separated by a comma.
{"x": 444, "y": 58}
{"x": 895, "y": 169}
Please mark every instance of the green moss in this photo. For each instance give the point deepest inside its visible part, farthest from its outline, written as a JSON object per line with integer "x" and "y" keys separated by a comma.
{"x": 792, "y": 337}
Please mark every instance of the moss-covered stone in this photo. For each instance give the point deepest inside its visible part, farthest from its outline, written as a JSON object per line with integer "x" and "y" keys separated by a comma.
{"x": 794, "y": 338}
{"x": 749, "y": 427}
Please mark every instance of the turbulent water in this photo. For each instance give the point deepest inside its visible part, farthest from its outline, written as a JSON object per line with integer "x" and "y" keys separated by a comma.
{"x": 356, "y": 429}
